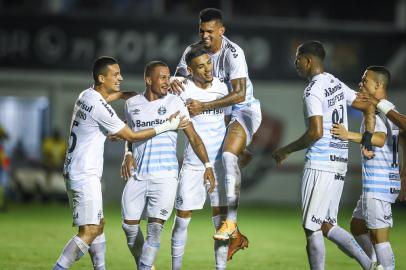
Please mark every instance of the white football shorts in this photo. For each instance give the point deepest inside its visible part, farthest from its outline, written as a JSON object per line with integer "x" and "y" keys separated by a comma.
{"x": 192, "y": 191}
{"x": 321, "y": 194}
{"x": 86, "y": 201}
{"x": 153, "y": 198}
{"x": 249, "y": 117}
{"x": 376, "y": 213}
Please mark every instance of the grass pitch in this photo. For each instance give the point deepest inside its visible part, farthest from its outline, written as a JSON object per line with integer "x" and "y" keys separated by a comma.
{"x": 32, "y": 237}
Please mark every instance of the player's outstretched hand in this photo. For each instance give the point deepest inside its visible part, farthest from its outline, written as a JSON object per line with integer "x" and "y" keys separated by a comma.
{"x": 280, "y": 155}
{"x": 368, "y": 154}
{"x": 184, "y": 122}
{"x": 367, "y": 97}
{"x": 209, "y": 179}
{"x": 194, "y": 107}
{"x": 176, "y": 84}
{"x": 127, "y": 166}
{"x": 339, "y": 131}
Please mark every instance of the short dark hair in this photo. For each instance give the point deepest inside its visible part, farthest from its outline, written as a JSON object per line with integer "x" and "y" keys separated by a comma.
{"x": 211, "y": 14}
{"x": 100, "y": 67}
{"x": 312, "y": 47}
{"x": 383, "y": 74}
{"x": 196, "y": 50}
{"x": 150, "y": 66}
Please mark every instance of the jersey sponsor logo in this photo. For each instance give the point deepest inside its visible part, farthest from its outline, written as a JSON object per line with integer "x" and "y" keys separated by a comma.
{"x": 317, "y": 220}
{"x": 338, "y": 158}
{"x": 232, "y": 49}
{"x": 335, "y": 99}
{"x": 152, "y": 123}
{"x": 331, "y": 220}
{"x": 394, "y": 191}
{"x": 331, "y": 90}
{"x": 161, "y": 110}
{"x": 339, "y": 177}
{"x": 309, "y": 87}
{"x": 84, "y": 106}
{"x": 107, "y": 108}
{"x": 394, "y": 176}
{"x": 81, "y": 115}
{"x": 135, "y": 111}
{"x": 99, "y": 214}
{"x": 339, "y": 145}
{"x": 214, "y": 111}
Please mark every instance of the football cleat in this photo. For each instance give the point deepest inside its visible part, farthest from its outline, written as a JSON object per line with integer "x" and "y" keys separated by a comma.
{"x": 225, "y": 231}
{"x": 237, "y": 241}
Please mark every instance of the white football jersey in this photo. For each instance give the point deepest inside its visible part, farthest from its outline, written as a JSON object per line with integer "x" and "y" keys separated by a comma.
{"x": 92, "y": 119}
{"x": 327, "y": 96}
{"x": 228, "y": 63}
{"x": 380, "y": 175}
{"x": 209, "y": 124}
{"x": 156, "y": 157}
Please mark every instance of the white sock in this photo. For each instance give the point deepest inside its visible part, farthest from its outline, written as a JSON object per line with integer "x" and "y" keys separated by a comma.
{"x": 346, "y": 242}
{"x": 135, "y": 240}
{"x": 364, "y": 240}
{"x": 316, "y": 250}
{"x": 385, "y": 255}
{"x": 97, "y": 252}
{"x": 151, "y": 246}
{"x": 179, "y": 238}
{"x": 233, "y": 184}
{"x": 220, "y": 247}
{"x": 72, "y": 252}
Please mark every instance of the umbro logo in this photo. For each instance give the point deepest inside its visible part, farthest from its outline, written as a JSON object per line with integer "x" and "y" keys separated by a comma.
{"x": 164, "y": 212}
{"x": 161, "y": 110}
{"x": 179, "y": 200}
{"x": 135, "y": 111}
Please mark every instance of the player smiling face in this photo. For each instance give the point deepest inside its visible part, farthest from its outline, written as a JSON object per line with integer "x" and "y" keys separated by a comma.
{"x": 201, "y": 69}
{"x": 210, "y": 34}
{"x": 112, "y": 78}
{"x": 159, "y": 81}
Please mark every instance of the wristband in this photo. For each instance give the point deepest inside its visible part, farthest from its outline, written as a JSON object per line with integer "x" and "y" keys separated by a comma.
{"x": 385, "y": 106}
{"x": 207, "y": 165}
{"x": 366, "y": 140}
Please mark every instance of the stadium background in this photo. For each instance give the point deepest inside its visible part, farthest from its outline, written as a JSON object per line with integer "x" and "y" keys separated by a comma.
{"x": 46, "y": 52}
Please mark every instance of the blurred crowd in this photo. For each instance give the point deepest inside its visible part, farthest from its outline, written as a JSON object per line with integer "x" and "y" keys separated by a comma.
{"x": 314, "y": 10}
{"x": 24, "y": 179}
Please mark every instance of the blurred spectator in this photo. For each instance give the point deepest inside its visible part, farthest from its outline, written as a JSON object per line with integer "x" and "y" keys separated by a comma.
{"x": 4, "y": 169}
{"x": 53, "y": 151}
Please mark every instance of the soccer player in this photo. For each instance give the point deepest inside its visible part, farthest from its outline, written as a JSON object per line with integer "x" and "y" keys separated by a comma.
{"x": 230, "y": 66}
{"x": 93, "y": 118}
{"x": 150, "y": 191}
{"x": 211, "y": 127}
{"x": 325, "y": 103}
{"x": 372, "y": 217}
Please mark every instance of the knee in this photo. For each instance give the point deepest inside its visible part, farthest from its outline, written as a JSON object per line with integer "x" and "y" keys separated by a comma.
{"x": 229, "y": 157}
{"x": 358, "y": 227}
{"x": 326, "y": 227}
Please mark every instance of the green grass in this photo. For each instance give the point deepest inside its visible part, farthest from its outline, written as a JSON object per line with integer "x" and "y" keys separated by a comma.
{"x": 32, "y": 237}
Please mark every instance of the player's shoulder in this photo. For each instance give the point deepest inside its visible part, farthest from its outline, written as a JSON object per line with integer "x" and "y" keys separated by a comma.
{"x": 135, "y": 100}
{"x": 231, "y": 46}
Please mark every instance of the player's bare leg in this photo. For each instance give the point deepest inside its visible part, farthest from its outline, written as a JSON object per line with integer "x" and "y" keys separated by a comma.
{"x": 234, "y": 145}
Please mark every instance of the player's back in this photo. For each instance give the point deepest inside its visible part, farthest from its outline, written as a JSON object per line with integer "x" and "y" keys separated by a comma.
{"x": 210, "y": 124}
{"x": 156, "y": 157}
{"x": 92, "y": 119}
{"x": 328, "y": 97}
{"x": 380, "y": 175}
